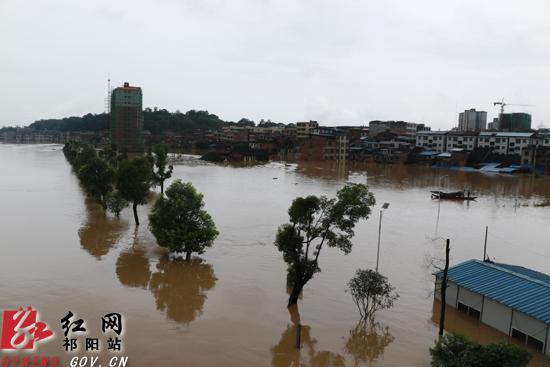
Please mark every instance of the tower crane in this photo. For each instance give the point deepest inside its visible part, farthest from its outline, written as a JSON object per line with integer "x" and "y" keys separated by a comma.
{"x": 502, "y": 104}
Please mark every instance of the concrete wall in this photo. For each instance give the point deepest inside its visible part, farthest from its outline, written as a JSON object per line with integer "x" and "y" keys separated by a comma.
{"x": 529, "y": 326}
{"x": 450, "y": 296}
{"x": 496, "y": 315}
{"x": 471, "y": 299}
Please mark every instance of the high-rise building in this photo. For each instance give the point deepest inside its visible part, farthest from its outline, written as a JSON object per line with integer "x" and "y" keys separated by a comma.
{"x": 472, "y": 120}
{"x": 517, "y": 121}
{"x": 127, "y": 119}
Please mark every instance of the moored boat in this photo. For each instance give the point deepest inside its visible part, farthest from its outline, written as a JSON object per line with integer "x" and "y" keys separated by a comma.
{"x": 457, "y": 195}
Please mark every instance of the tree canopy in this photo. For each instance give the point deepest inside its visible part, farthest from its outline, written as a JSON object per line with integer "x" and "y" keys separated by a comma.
{"x": 316, "y": 221}
{"x": 371, "y": 292}
{"x": 162, "y": 171}
{"x": 455, "y": 350}
{"x": 134, "y": 179}
{"x": 97, "y": 178}
{"x": 156, "y": 121}
{"x": 179, "y": 221}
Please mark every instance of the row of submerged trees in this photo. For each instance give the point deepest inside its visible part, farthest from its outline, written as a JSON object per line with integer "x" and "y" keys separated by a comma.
{"x": 179, "y": 222}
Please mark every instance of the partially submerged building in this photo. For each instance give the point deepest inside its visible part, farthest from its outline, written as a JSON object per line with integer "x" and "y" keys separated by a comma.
{"x": 512, "y": 299}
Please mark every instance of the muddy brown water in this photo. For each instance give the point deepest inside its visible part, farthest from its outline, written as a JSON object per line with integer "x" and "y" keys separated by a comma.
{"x": 228, "y": 306}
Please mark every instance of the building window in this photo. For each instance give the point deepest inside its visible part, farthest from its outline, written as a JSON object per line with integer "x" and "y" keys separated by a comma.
{"x": 519, "y": 336}
{"x": 472, "y": 312}
{"x": 535, "y": 343}
{"x": 526, "y": 339}
{"x": 462, "y": 308}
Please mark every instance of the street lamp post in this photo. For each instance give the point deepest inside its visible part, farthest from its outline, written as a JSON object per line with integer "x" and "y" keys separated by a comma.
{"x": 385, "y": 206}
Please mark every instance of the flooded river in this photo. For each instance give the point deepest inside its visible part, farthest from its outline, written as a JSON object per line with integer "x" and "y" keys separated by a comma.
{"x": 228, "y": 307}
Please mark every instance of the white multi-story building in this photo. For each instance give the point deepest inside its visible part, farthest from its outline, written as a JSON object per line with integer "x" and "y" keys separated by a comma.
{"x": 432, "y": 140}
{"x": 505, "y": 142}
{"x": 466, "y": 140}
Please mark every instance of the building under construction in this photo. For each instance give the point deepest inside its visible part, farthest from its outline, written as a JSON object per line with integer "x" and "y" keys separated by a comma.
{"x": 514, "y": 122}
{"x": 127, "y": 119}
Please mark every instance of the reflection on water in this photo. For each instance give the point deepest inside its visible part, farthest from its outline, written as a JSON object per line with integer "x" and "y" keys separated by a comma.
{"x": 285, "y": 353}
{"x": 403, "y": 177}
{"x": 132, "y": 268}
{"x": 367, "y": 342}
{"x": 100, "y": 232}
{"x": 474, "y": 329}
{"x": 180, "y": 287}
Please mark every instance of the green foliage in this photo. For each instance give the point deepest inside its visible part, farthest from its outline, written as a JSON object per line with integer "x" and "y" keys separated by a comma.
{"x": 156, "y": 121}
{"x": 454, "y": 350}
{"x": 162, "y": 173}
{"x": 86, "y": 154}
{"x": 371, "y": 292}
{"x": 162, "y": 120}
{"x": 315, "y": 221}
{"x": 115, "y": 203}
{"x": 112, "y": 157}
{"x": 133, "y": 181}
{"x": 78, "y": 154}
{"x": 97, "y": 178}
{"x": 93, "y": 172}
{"x": 246, "y": 122}
{"x": 179, "y": 221}
{"x": 89, "y": 122}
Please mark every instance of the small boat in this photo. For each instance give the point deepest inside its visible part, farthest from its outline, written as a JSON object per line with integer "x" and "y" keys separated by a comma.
{"x": 457, "y": 195}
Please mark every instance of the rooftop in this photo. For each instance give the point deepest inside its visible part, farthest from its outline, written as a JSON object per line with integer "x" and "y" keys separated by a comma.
{"x": 128, "y": 86}
{"x": 505, "y": 134}
{"x": 431, "y": 132}
{"x": 517, "y": 287}
{"x": 463, "y": 133}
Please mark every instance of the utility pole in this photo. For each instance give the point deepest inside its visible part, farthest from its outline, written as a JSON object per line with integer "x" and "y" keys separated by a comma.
{"x": 444, "y": 288}
{"x": 485, "y": 246}
{"x": 385, "y": 206}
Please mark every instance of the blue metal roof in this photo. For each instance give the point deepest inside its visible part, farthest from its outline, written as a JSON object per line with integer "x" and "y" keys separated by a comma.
{"x": 517, "y": 287}
{"x": 527, "y": 272}
{"x": 428, "y": 153}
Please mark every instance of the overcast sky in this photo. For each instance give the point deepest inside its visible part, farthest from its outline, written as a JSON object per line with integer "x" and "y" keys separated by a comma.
{"x": 338, "y": 61}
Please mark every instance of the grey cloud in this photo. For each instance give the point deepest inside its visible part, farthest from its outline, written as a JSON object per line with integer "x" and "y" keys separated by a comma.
{"x": 341, "y": 62}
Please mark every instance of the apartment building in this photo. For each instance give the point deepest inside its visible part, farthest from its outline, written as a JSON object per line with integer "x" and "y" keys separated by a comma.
{"x": 432, "y": 140}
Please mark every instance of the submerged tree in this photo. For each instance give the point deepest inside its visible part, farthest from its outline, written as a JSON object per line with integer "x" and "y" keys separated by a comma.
{"x": 371, "y": 292}
{"x": 97, "y": 178}
{"x": 115, "y": 203}
{"x": 315, "y": 221}
{"x": 179, "y": 221}
{"x": 134, "y": 180}
{"x": 162, "y": 172}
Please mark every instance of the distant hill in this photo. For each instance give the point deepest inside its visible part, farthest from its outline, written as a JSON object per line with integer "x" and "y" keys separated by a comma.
{"x": 155, "y": 121}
